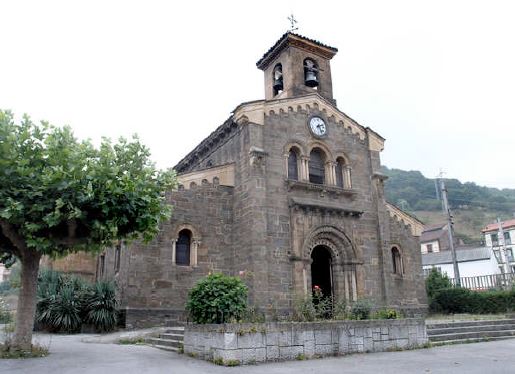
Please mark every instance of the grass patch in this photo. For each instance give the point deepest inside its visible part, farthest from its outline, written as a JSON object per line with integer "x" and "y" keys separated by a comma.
{"x": 136, "y": 340}
{"x": 301, "y": 357}
{"x": 232, "y": 363}
{"x": 36, "y": 351}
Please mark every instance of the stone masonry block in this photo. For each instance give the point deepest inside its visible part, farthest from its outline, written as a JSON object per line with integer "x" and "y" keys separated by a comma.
{"x": 322, "y": 337}
{"x": 272, "y": 353}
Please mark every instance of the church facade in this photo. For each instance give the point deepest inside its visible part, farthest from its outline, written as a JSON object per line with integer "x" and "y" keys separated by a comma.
{"x": 289, "y": 193}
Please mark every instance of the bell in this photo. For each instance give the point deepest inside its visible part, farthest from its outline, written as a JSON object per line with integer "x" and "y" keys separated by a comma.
{"x": 311, "y": 79}
{"x": 278, "y": 84}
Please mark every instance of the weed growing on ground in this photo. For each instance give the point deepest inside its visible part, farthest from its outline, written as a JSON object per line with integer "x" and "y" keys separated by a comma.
{"x": 135, "y": 340}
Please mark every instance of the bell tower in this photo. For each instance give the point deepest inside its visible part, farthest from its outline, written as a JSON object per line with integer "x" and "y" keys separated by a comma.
{"x": 297, "y": 66}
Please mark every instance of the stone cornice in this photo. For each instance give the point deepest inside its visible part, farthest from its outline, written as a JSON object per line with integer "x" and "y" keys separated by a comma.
{"x": 309, "y": 205}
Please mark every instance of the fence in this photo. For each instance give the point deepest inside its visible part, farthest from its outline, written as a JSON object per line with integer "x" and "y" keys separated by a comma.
{"x": 487, "y": 282}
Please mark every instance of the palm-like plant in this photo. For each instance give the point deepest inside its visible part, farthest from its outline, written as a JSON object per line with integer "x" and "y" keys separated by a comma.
{"x": 101, "y": 305}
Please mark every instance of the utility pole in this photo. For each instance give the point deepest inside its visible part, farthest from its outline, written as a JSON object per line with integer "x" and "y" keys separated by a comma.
{"x": 502, "y": 248}
{"x": 447, "y": 211}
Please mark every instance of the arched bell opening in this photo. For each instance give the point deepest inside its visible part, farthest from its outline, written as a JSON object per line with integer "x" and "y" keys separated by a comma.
{"x": 321, "y": 270}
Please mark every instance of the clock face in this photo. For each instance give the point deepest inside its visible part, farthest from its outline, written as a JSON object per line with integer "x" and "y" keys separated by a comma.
{"x": 317, "y": 126}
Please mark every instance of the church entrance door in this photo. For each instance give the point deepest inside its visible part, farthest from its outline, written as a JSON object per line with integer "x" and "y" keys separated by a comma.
{"x": 321, "y": 271}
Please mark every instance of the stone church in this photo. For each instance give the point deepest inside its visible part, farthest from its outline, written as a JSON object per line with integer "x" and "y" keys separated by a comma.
{"x": 289, "y": 191}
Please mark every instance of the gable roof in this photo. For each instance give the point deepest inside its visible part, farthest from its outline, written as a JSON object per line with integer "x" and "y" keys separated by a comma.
{"x": 462, "y": 255}
{"x": 495, "y": 226}
{"x": 291, "y": 38}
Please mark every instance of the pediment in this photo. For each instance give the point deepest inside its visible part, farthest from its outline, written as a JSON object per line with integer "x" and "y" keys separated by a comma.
{"x": 255, "y": 112}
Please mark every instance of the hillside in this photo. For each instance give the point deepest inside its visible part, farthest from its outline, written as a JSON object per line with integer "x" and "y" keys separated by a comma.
{"x": 473, "y": 206}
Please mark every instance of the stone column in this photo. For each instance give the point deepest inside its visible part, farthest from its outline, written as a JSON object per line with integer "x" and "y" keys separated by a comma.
{"x": 347, "y": 182}
{"x": 330, "y": 173}
{"x": 304, "y": 169}
{"x": 193, "y": 254}
{"x": 174, "y": 241}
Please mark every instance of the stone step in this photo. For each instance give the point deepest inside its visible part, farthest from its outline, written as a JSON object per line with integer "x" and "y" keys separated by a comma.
{"x": 164, "y": 342}
{"x": 173, "y": 323}
{"x": 470, "y": 323}
{"x": 172, "y": 336}
{"x": 477, "y": 328}
{"x": 175, "y": 329}
{"x": 166, "y": 348}
{"x": 476, "y": 340}
{"x": 471, "y": 335}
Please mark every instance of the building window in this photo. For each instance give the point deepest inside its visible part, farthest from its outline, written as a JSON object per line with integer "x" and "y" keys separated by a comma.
{"x": 342, "y": 173}
{"x": 310, "y": 73}
{"x": 397, "y": 261}
{"x": 495, "y": 239}
{"x": 429, "y": 248}
{"x": 507, "y": 238}
{"x": 293, "y": 169}
{"x": 117, "y": 257}
{"x": 183, "y": 248}
{"x": 316, "y": 166}
{"x": 278, "y": 79}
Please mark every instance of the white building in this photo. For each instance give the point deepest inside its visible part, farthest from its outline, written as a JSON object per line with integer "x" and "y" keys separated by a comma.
{"x": 494, "y": 241}
{"x": 4, "y": 273}
{"x": 472, "y": 262}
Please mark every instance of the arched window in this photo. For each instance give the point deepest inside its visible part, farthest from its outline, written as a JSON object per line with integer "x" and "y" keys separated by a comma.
{"x": 397, "y": 261}
{"x": 278, "y": 79}
{"x": 310, "y": 73}
{"x": 293, "y": 168}
{"x": 340, "y": 164}
{"x": 316, "y": 166}
{"x": 183, "y": 247}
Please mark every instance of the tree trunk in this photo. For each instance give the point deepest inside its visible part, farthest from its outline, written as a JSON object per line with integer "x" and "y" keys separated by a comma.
{"x": 26, "y": 301}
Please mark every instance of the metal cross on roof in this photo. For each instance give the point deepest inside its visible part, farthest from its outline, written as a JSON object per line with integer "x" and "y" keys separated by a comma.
{"x": 293, "y": 22}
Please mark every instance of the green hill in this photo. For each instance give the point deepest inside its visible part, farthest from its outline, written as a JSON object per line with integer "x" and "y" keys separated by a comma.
{"x": 473, "y": 206}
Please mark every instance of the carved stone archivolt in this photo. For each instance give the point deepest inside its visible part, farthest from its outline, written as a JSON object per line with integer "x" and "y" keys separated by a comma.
{"x": 340, "y": 245}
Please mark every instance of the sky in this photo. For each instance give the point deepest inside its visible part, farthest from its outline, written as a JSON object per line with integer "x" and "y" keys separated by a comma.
{"x": 435, "y": 78}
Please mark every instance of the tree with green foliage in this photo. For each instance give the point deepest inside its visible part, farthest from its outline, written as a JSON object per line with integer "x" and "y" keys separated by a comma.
{"x": 59, "y": 195}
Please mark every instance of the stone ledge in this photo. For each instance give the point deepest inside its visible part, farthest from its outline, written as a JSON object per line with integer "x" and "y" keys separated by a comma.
{"x": 261, "y": 342}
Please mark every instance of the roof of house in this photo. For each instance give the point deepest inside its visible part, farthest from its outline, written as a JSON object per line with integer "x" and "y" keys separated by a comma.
{"x": 462, "y": 255}
{"x": 435, "y": 232}
{"x": 495, "y": 226}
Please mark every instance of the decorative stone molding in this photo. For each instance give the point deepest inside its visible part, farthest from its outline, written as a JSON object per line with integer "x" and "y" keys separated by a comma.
{"x": 224, "y": 176}
{"x": 415, "y": 225}
{"x": 322, "y": 188}
{"x": 257, "y": 156}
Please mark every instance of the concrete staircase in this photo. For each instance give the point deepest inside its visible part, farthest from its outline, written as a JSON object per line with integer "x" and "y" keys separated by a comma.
{"x": 470, "y": 331}
{"x": 170, "y": 340}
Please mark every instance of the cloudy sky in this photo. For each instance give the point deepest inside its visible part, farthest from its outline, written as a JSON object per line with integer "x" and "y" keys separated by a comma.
{"x": 435, "y": 78}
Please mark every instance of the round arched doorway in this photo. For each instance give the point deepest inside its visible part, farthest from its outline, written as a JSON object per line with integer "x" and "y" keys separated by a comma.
{"x": 321, "y": 270}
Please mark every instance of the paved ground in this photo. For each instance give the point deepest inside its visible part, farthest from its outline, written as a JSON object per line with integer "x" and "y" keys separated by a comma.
{"x": 70, "y": 355}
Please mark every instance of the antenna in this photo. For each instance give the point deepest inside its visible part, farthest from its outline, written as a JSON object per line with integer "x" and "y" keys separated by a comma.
{"x": 293, "y": 22}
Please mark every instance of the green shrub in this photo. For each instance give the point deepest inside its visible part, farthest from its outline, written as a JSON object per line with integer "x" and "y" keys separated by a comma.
{"x": 217, "y": 298}
{"x": 436, "y": 281}
{"x": 386, "y": 314}
{"x": 360, "y": 309}
{"x": 304, "y": 310}
{"x": 101, "y": 306}
{"x": 462, "y": 300}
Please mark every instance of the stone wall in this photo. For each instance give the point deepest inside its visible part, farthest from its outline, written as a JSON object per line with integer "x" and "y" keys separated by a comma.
{"x": 251, "y": 343}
